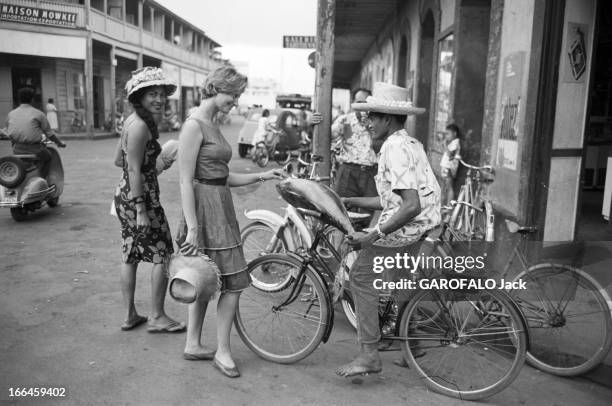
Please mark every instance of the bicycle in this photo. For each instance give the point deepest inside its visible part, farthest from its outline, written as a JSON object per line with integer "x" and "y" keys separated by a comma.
{"x": 479, "y": 330}
{"x": 471, "y": 214}
{"x": 560, "y": 303}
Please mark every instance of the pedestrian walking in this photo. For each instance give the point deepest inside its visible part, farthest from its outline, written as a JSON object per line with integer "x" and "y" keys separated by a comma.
{"x": 209, "y": 220}
{"x": 52, "y": 115}
{"x": 144, "y": 228}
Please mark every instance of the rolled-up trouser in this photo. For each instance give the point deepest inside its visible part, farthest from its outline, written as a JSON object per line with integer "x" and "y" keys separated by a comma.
{"x": 366, "y": 296}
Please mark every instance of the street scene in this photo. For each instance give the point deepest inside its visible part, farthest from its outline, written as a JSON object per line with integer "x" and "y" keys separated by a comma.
{"x": 319, "y": 202}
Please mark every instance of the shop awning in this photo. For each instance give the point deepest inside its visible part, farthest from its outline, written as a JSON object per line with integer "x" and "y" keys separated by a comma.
{"x": 358, "y": 22}
{"x": 38, "y": 44}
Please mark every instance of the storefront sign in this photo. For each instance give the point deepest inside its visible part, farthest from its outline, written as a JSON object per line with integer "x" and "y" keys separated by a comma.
{"x": 576, "y": 61}
{"x": 35, "y": 15}
{"x": 510, "y": 110}
{"x": 299, "y": 41}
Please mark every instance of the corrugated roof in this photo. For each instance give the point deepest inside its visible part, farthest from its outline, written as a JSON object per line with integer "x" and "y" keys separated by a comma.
{"x": 357, "y": 24}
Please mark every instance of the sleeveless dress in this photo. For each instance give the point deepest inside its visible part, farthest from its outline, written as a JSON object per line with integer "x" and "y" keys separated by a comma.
{"x": 218, "y": 231}
{"x": 155, "y": 245}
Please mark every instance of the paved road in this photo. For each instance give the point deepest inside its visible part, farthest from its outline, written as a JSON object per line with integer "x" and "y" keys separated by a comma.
{"x": 60, "y": 307}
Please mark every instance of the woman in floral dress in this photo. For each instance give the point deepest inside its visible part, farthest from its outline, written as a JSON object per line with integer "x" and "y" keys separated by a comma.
{"x": 144, "y": 228}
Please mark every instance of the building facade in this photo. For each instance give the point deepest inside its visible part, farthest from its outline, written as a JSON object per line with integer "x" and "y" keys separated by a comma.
{"x": 81, "y": 52}
{"x": 527, "y": 81}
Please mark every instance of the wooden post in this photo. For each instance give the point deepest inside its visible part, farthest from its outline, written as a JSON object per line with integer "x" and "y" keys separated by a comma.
{"x": 113, "y": 87}
{"x": 89, "y": 102}
{"x": 324, "y": 65}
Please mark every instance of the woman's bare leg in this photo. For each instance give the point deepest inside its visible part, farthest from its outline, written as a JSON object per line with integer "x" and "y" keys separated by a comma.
{"x": 226, "y": 310}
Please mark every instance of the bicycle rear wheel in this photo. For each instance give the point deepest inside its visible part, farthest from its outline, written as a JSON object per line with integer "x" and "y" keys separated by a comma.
{"x": 474, "y": 347}
{"x": 286, "y": 325}
{"x": 560, "y": 304}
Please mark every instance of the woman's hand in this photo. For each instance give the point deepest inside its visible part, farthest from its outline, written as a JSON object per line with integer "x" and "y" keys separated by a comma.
{"x": 142, "y": 218}
{"x": 192, "y": 237}
{"x": 272, "y": 174}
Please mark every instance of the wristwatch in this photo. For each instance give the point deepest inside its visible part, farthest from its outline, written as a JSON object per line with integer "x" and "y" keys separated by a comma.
{"x": 379, "y": 232}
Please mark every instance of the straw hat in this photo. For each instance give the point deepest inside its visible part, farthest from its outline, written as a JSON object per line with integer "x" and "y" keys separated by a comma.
{"x": 146, "y": 77}
{"x": 195, "y": 277}
{"x": 388, "y": 99}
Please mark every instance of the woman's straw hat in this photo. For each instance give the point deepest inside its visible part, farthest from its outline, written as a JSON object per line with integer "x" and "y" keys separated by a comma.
{"x": 195, "y": 277}
{"x": 149, "y": 76}
{"x": 389, "y": 99}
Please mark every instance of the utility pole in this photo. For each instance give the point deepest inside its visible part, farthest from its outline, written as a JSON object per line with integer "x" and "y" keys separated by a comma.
{"x": 324, "y": 66}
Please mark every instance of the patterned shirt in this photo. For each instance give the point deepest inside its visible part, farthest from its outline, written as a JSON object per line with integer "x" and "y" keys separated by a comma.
{"x": 402, "y": 165}
{"x": 356, "y": 146}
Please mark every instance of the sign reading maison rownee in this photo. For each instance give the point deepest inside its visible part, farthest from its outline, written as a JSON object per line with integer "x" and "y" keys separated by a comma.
{"x": 35, "y": 15}
{"x": 299, "y": 41}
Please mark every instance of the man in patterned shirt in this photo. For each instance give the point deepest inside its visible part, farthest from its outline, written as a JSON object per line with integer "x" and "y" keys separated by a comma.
{"x": 352, "y": 137}
{"x": 409, "y": 197}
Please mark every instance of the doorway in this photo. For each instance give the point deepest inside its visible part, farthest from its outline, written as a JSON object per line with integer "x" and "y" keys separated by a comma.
{"x": 593, "y": 222}
{"x": 426, "y": 49}
{"x": 27, "y": 77}
{"x": 98, "y": 101}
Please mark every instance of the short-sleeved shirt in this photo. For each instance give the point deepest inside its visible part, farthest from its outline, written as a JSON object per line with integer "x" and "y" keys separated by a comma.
{"x": 26, "y": 125}
{"x": 402, "y": 165}
{"x": 356, "y": 148}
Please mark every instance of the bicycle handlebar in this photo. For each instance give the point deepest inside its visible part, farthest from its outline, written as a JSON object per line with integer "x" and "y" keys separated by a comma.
{"x": 476, "y": 168}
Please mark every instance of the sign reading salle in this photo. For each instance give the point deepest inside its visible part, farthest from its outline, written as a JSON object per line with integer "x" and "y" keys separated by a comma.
{"x": 299, "y": 41}
{"x": 37, "y": 15}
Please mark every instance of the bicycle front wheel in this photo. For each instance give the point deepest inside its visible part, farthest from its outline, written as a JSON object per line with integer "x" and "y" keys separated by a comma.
{"x": 561, "y": 304}
{"x": 472, "y": 349}
{"x": 286, "y": 325}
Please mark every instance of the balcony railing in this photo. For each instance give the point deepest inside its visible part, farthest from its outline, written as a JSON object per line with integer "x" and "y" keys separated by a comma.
{"x": 114, "y": 28}
{"x": 30, "y": 13}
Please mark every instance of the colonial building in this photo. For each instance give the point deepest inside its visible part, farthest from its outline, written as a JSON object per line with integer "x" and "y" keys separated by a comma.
{"x": 81, "y": 52}
{"x": 528, "y": 81}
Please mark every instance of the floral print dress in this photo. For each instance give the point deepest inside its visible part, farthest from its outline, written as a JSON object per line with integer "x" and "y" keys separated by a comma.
{"x": 155, "y": 244}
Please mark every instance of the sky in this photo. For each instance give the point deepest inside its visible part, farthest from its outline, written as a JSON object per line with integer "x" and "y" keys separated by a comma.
{"x": 252, "y": 31}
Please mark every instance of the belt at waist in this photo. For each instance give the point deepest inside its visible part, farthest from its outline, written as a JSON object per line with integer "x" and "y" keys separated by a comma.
{"x": 215, "y": 181}
{"x": 362, "y": 167}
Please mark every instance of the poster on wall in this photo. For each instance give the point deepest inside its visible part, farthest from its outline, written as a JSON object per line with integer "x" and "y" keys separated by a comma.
{"x": 512, "y": 85}
{"x": 575, "y": 58}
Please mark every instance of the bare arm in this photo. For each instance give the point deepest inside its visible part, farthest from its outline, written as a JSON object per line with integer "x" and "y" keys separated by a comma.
{"x": 409, "y": 209}
{"x": 370, "y": 203}
{"x": 190, "y": 140}
{"x": 137, "y": 138}
{"x": 242, "y": 179}
{"x": 118, "y": 156}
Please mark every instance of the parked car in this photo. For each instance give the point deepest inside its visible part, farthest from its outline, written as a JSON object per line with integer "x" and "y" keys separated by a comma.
{"x": 285, "y": 120}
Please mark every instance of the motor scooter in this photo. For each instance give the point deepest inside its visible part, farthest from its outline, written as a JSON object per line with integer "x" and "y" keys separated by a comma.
{"x": 23, "y": 189}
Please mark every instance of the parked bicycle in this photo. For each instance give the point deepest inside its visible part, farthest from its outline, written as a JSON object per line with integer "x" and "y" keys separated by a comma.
{"x": 560, "y": 304}
{"x": 471, "y": 215}
{"x": 465, "y": 344}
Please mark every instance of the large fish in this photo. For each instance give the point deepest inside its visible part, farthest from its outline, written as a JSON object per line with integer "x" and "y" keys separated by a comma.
{"x": 311, "y": 195}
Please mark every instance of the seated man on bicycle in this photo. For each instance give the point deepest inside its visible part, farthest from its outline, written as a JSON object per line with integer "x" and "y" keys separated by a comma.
{"x": 409, "y": 197}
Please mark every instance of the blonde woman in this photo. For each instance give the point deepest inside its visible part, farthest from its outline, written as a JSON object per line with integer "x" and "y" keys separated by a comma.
{"x": 209, "y": 220}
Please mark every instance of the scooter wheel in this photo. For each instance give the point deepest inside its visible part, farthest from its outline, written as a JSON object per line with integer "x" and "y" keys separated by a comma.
{"x": 19, "y": 213}
{"x": 12, "y": 171}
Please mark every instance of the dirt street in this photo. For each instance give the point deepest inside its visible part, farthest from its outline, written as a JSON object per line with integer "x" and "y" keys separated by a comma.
{"x": 61, "y": 308}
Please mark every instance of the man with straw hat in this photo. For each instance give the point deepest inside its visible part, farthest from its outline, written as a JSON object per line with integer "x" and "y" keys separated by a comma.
{"x": 409, "y": 197}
